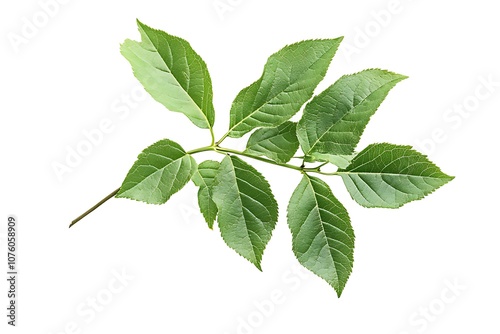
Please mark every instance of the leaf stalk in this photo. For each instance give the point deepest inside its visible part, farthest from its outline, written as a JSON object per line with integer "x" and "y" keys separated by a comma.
{"x": 221, "y": 150}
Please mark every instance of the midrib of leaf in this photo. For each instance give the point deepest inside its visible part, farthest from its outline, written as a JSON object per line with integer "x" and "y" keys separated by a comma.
{"x": 159, "y": 170}
{"x": 244, "y": 208}
{"x": 348, "y": 113}
{"x": 165, "y": 168}
{"x": 389, "y": 174}
{"x": 266, "y": 142}
{"x": 278, "y": 93}
{"x": 409, "y": 177}
{"x": 177, "y": 81}
{"x": 330, "y": 247}
{"x": 202, "y": 179}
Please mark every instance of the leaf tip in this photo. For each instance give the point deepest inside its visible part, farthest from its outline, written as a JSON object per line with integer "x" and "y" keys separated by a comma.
{"x": 143, "y": 28}
{"x": 447, "y": 178}
{"x": 139, "y": 23}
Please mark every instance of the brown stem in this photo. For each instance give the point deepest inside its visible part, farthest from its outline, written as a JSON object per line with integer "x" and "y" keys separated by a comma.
{"x": 101, "y": 202}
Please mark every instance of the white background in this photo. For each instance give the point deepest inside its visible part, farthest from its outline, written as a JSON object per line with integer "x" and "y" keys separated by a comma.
{"x": 67, "y": 77}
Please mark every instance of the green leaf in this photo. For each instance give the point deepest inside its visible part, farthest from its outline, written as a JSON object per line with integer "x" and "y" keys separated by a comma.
{"x": 173, "y": 73}
{"x": 279, "y": 143}
{"x": 341, "y": 161}
{"x": 160, "y": 171}
{"x": 334, "y": 120}
{"x": 204, "y": 178}
{"x": 288, "y": 81}
{"x": 323, "y": 238}
{"x": 247, "y": 209}
{"x": 389, "y": 176}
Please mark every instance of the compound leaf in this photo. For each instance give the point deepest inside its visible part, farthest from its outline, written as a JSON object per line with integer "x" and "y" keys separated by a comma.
{"x": 248, "y": 211}
{"x": 278, "y": 143}
{"x": 288, "y": 81}
{"x": 160, "y": 171}
{"x": 173, "y": 73}
{"x": 204, "y": 178}
{"x": 323, "y": 238}
{"x": 334, "y": 120}
{"x": 389, "y": 176}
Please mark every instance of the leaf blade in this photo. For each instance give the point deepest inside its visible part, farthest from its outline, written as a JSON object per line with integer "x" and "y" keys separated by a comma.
{"x": 248, "y": 211}
{"x": 172, "y": 73}
{"x": 160, "y": 171}
{"x": 204, "y": 178}
{"x": 323, "y": 238}
{"x": 389, "y": 176}
{"x": 279, "y": 143}
{"x": 334, "y": 120}
{"x": 287, "y": 82}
